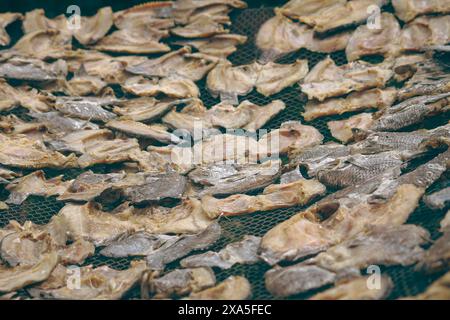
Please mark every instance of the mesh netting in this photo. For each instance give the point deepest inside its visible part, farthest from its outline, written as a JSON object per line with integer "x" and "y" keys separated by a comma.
{"x": 247, "y": 22}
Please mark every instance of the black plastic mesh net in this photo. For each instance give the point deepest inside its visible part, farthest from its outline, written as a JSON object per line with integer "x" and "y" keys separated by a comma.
{"x": 247, "y": 22}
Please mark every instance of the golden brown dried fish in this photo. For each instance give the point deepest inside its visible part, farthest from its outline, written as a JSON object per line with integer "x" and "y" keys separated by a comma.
{"x": 94, "y": 28}
{"x": 201, "y": 27}
{"x": 36, "y": 20}
{"x": 343, "y": 130}
{"x": 173, "y": 86}
{"x": 221, "y": 45}
{"x": 425, "y": 32}
{"x": 26, "y": 97}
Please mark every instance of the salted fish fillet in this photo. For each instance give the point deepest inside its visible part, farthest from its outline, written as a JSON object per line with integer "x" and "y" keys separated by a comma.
{"x": 407, "y": 10}
{"x": 356, "y": 101}
{"x": 328, "y": 80}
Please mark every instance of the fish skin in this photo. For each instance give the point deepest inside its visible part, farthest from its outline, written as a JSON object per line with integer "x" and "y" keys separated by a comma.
{"x": 171, "y": 252}
{"x": 86, "y": 108}
{"x": 438, "y": 200}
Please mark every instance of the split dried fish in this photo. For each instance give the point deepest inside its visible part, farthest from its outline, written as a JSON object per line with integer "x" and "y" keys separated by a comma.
{"x": 279, "y": 36}
{"x": 424, "y": 32}
{"x": 35, "y": 184}
{"x": 234, "y": 178}
{"x": 439, "y": 199}
{"x": 22, "y": 152}
{"x": 182, "y": 62}
{"x": 343, "y": 130}
{"x": 26, "y": 97}
{"x": 327, "y": 79}
{"x": 6, "y": 19}
{"x": 36, "y": 20}
{"x": 356, "y": 101}
{"x": 242, "y": 252}
{"x": 87, "y": 108}
{"x": 232, "y": 288}
{"x": 181, "y": 282}
{"x": 94, "y": 28}
{"x": 156, "y": 132}
{"x": 32, "y": 69}
{"x": 170, "y": 252}
{"x": 202, "y": 27}
{"x": 367, "y": 41}
{"x": 110, "y": 284}
{"x": 357, "y": 289}
{"x": 173, "y": 86}
{"x": 220, "y": 46}
{"x": 407, "y": 10}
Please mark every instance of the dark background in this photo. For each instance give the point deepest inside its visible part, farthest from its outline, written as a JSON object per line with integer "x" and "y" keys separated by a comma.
{"x": 88, "y": 7}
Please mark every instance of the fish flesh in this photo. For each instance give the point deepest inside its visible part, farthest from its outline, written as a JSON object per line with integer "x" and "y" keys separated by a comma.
{"x": 102, "y": 283}
{"x": 32, "y": 69}
{"x": 24, "y": 96}
{"x": 222, "y": 179}
{"x": 25, "y": 244}
{"x": 411, "y": 111}
{"x": 275, "y": 196}
{"x": 367, "y": 41}
{"x": 147, "y": 14}
{"x": 181, "y": 282}
{"x": 137, "y": 244}
{"x": 279, "y": 36}
{"x": 425, "y": 32}
{"x": 6, "y": 175}
{"x": 173, "y": 86}
{"x": 438, "y": 200}
{"x": 228, "y": 81}
{"x": 438, "y": 290}
{"x": 202, "y": 27}
{"x": 12, "y": 279}
{"x": 343, "y": 130}
{"x": 81, "y": 84}
{"x": 405, "y": 66}
{"x": 145, "y": 108}
{"x": 21, "y": 152}
{"x": 284, "y": 282}
{"x": 290, "y": 137}
{"x": 86, "y": 108}
{"x": 35, "y": 20}
{"x": 242, "y": 252}
{"x": 328, "y": 80}
{"x": 429, "y": 79}
{"x": 437, "y": 257}
{"x": 232, "y": 288}
{"x": 247, "y": 115}
{"x": 79, "y": 141}
{"x": 356, "y": 169}
{"x": 274, "y": 77}
{"x": 141, "y": 39}
{"x": 182, "y": 62}
{"x": 387, "y": 245}
{"x": 42, "y": 44}
{"x": 94, "y": 28}
{"x": 170, "y": 252}
{"x": 35, "y": 184}
{"x": 356, "y": 101}
{"x": 357, "y": 289}
{"x": 6, "y": 19}
{"x": 331, "y": 16}
{"x": 155, "y": 132}
{"x": 221, "y": 45}
{"x": 407, "y": 10}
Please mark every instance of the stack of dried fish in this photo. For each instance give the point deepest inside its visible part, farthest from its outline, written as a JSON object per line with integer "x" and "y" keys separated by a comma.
{"x": 142, "y": 167}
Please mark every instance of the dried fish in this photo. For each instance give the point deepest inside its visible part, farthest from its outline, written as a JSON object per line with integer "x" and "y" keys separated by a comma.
{"x": 242, "y": 252}
{"x": 182, "y": 62}
{"x": 407, "y": 10}
{"x": 145, "y": 108}
{"x": 439, "y": 199}
{"x": 356, "y": 101}
{"x": 110, "y": 284}
{"x": 21, "y": 152}
{"x": 232, "y": 288}
{"x": 16, "y": 278}
{"x": 35, "y": 184}
{"x": 6, "y": 19}
{"x": 274, "y": 196}
{"x": 343, "y": 130}
{"x": 87, "y": 108}
{"x": 327, "y": 79}
{"x": 26, "y": 97}
{"x": 32, "y": 69}
{"x": 202, "y": 27}
{"x": 94, "y": 28}
{"x": 155, "y": 132}
{"x": 220, "y": 46}
{"x": 234, "y": 178}
{"x": 357, "y": 289}
{"x": 173, "y": 86}
{"x": 424, "y": 32}
{"x": 170, "y": 252}
{"x": 279, "y": 36}
{"x": 367, "y": 41}
{"x": 181, "y": 282}
{"x": 36, "y": 20}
